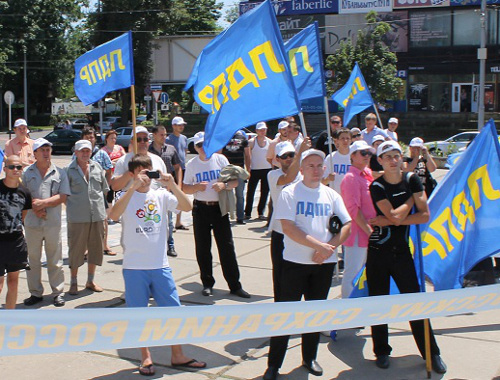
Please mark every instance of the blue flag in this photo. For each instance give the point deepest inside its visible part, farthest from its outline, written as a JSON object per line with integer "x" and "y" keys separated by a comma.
{"x": 106, "y": 68}
{"x": 355, "y": 96}
{"x": 2, "y": 155}
{"x": 464, "y": 224}
{"x": 242, "y": 77}
{"x": 306, "y": 63}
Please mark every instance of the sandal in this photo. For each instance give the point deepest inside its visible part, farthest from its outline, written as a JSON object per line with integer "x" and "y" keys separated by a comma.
{"x": 147, "y": 370}
{"x": 191, "y": 364}
{"x": 182, "y": 227}
{"x": 109, "y": 252}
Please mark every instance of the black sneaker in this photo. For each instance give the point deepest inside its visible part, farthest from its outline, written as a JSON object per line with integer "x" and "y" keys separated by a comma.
{"x": 240, "y": 293}
{"x": 32, "y": 300}
{"x": 241, "y": 221}
{"x": 382, "y": 361}
{"x": 171, "y": 252}
{"x": 207, "y": 292}
{"x": 59, "y": 301}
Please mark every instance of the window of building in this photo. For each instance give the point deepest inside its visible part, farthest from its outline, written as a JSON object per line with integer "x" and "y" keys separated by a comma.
{"x": 467, "y": 27}
{"x": 430, "y": 28}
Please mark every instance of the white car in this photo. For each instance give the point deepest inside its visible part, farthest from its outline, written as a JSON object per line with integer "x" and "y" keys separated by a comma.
{"x": 451, "y": 145}
{"x": 190, "y": 141}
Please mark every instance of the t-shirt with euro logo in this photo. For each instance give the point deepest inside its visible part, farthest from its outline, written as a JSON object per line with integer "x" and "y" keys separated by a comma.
{"x": 144, "y": 229}
{"x": 310, "y": 209}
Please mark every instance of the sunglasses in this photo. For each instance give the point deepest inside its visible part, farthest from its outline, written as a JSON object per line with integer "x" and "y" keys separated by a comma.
{"x": 365, "y": 153}
{"x": 371, "y": 118}
{"x": 12, "y": 167}
{"x": 355, "y": 136}
{"x": 287, "y": 155}
{"x": 335, "y": 121}
{"x": 142, "y": 139}
{"x": 199, "y": 145}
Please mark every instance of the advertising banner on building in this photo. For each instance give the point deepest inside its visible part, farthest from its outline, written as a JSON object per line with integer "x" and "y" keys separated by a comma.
{"x": 295, "y": 7}
{"x": 428, "y": 29}
{"x": 342, "y": 28}
{"x": 291, "y": 25}
{"x": 418, "y": 97}
{"x": 406, "y": 4}
{"x": 461, "y": 3}
{"x": 364, "y": 6}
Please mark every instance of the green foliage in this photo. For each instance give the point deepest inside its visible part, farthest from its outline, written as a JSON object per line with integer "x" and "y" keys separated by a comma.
{"x": 232, "y": 13}
{"x": 376, "y": 62}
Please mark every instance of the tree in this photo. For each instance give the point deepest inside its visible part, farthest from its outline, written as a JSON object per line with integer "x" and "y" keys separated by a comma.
{"x": 232, "y": 13}
{"x": 376, "y": 62}
{"x": 41, "y": 29}
{"x": 148, "y": 19}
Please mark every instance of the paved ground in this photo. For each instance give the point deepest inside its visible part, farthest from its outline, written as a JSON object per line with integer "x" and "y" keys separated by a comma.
{"x": 470, "y": 343}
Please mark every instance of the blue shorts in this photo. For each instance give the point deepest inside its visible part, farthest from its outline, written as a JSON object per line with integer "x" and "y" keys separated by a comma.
{"x": 141, "y": 283}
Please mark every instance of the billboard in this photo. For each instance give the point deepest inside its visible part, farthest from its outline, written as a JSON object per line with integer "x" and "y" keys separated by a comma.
{"x": 364, "y": 6}
{"x": 295, "y": 7}
{"x": 405, "y": 4}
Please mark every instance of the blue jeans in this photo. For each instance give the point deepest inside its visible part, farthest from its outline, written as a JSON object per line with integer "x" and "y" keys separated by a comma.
{"x": 240, "y": 199}
{"x": 170, "y": 239}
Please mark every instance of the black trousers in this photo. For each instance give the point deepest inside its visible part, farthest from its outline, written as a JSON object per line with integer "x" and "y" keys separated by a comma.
{"x": 277, "y": 247}
{"x": 394, "y": 260}
{"x": 297, "y": 280}
{"x": 255, "y": 177}
{"x": 205, "y": 219}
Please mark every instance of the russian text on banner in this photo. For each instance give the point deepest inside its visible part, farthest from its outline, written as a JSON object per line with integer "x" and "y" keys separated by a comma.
{"x": 464, "y": 224}
{"x": 306, "y": 63}
{"x": 106, "y": 68}
{"x": 354, "y": 96}
{"x": 242, "y": 77}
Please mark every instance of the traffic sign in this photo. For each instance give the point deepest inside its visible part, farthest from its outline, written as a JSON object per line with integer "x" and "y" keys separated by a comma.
{"x": 147, "y": 98}
{"x": 157, "y": 94}
{"x": 164, "y": 97}
{"x": 155, "y": 86}
{"x": 147, "y": 90}
{"x": 9, "y": 97}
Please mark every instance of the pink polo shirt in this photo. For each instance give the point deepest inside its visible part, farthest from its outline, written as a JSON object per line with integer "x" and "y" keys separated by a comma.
{"x": 23, "y": 150}
{"x": 356, "y": 195}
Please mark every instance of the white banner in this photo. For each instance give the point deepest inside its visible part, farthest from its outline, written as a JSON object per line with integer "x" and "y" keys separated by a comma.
{"x": 364, "y": 6}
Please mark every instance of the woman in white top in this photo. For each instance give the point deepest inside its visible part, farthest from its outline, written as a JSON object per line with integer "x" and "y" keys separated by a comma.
{"x": 259, "y": 167}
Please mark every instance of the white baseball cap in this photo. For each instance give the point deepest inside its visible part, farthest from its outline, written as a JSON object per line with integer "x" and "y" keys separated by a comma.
{"x": 393, "y": 120}
{"x": 141, "y": 129}
{"x": 355, "y": 130}
{"x": 387, "y": 147}
{"x": 20, "y": 122}
{"x": 82, "y": 144}
{"x": 178, "y": 121}
{"x": 199, "y": 137}
{"x": 38, "y": 143}
{"x": 283, "y": 124}
{"x": 378, "y": 138}
{"x": 284, "y": 147}
{"x": 260, "y": 125}
{"x": 312, "y": 152}
{"x": 417, "y": 141}
{"x": 360, "y": 145}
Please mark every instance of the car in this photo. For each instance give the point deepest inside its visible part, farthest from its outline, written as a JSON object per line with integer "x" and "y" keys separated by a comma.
{"x": 78, "y": 123}
{"x": 138, "y": 120}
{"x": 110, "y": 122}
{"x": 190, "y": 141}
{"x": 452, "y": 144}
{"x": 124, "y": 134}
{"x": 63, "y": 140}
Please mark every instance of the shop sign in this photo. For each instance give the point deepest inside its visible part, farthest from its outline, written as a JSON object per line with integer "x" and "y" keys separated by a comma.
{"x": 401, "y": 4}
{"x": 364, "y": 6}
{"x": 295, "y": 7}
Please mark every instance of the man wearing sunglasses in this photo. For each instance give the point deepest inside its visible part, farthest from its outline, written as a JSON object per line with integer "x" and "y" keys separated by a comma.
{"x": 372, "y": 130}
{"x": 15, "y": 200}
{"x": 322, "y": 143}
{"x": 122, "y": 178}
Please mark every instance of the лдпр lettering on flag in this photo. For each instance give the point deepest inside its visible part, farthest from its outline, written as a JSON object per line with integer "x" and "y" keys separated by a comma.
{"x": 464, "y": 224}
{"x": 106, "y": 68}
{"x": 354, "y": 96}
{"x": 306, "y": 63}
{"x": 242, "y": 77}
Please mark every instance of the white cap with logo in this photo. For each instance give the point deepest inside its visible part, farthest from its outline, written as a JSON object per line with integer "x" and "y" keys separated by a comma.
{"x": 283, "y": 124}
{"x": 82, "y": 144}
{"x": 312, "y": 152}
{"x": 141, "y": 129}
{"x": 199, "y": 137}
{"x": 387, "y": 147}
{"x": 178, "y": 121}
{"x": 393, "y": 120}
{"x": 38, "y": 143}
{"x": 260, "y": 125}
{"x": 360, "y": 145}
{"x": 284, "y": 147}
{"x": 417, "y": 141}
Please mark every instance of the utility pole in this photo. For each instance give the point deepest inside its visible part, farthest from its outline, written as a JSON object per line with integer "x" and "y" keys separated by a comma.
{"x": 482, "y": 56}
{"x": 25, "y": 87}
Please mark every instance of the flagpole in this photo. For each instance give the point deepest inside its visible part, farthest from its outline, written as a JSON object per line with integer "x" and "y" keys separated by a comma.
{"x": 134, "y": 136}
{"x": 427, "y": 331}
{"x": 328, "y": 131}
{"x": 378, "y": 116}
{"x": 303, "y": 124}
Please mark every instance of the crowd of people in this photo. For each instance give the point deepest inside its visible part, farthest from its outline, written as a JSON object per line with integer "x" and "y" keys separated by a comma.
{"x": 353, "y": 196}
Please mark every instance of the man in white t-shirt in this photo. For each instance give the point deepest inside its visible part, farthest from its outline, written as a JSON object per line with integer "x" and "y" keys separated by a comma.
{"x": 201, "y": 180}
{"x": 122, "y": 177}
{"x": 392, "y": 125}
{"x": 305, "y": 209}
{"x": 337, "y": 163}
{"x": 145, "y": 262}
{"x": 280, "y": 137}
{"x": 279, "y": 179}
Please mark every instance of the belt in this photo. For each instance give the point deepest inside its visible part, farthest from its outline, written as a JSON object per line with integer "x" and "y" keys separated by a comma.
{"x": 207, "y": 203}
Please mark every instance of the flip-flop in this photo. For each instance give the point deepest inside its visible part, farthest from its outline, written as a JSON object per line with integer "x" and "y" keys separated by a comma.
{"x": 182, "y": 227}
{"x": 189, "y": 364}
{"x": 147, "y": 370}
{"x": 109, "y": 252}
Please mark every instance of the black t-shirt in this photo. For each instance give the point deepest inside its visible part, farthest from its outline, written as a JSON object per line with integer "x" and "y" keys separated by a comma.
{"x": 12, "y": 203}
{"x": 322, "y": 143}
{"x": 396, "y": 194}
{"x": 375, "y": 165}
{"x": 235, "y": 150}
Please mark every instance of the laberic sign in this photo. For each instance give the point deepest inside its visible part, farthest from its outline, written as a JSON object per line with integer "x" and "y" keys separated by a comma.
{"x": 300, "y": 5}
{"x": 295, "y": 7}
